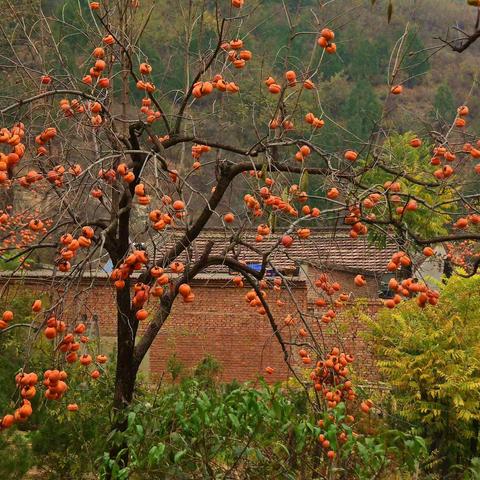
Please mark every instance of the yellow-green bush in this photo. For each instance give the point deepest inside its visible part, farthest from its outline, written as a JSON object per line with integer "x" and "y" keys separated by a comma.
{"x": 431, "y": 359}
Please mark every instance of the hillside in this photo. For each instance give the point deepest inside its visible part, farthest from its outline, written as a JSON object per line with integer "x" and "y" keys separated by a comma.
{"x": 365, "y": 43}
{"x": 352, "y": 85}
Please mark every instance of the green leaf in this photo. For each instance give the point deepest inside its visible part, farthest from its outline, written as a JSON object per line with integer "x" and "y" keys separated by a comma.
{"x": 179, "y": 455}
{"x": 131, "y": 418}
{"x": 179, "y": 407}
{"x": 123, "y": 474}
{"x": 284, "y": 448}
{"x": 155, "y": 453}
{"x": 234, "y": 420}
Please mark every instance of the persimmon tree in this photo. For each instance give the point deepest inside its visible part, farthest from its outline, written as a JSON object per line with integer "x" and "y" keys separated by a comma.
{"x": 101, "y": 157}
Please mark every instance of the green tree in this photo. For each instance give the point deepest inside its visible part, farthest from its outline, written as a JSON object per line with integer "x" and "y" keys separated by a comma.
{"x": 364, "y": 64}
{"x": 430, "y": 358}
{"x": 422, "y": 221}
{"x": 444, "y": 104}
{"x": 362, "y": 110}
{"x": 415, "y": 61}
{"x": 382, "y": 48}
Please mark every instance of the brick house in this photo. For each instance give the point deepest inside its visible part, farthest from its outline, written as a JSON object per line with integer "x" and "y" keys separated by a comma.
{"x": 220, "y": 323}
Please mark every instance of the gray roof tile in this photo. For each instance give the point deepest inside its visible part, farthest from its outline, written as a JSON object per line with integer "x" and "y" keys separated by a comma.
{"x": 329, "y": 249}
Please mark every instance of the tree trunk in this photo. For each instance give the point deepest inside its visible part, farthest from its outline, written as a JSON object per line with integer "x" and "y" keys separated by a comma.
{"x": 447, "y": 269}
{"x": 126, "y": 372}
{"x": 124, "y": 389}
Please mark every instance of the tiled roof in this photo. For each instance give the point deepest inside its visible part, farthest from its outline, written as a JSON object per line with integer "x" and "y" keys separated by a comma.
{"x": 327, "y": 249}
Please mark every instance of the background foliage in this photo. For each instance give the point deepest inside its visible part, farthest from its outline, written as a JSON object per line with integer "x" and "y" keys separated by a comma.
{"x": 431, "y": 359}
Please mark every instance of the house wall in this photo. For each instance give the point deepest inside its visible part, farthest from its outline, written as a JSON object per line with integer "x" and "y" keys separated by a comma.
{"x": 219, "y": 323}
{"x": 348, "y": 331}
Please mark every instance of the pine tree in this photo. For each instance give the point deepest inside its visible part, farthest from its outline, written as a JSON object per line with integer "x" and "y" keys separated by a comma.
{"x": 444, "y": 104}
{"x": 364, "y": 63}
{"x": 415, "y": 62}
{"x": 362, "y": 110}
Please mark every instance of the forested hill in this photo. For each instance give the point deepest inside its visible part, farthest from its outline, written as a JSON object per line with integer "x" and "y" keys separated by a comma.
{"x": 352, "y": 82}
{"x": 352, "y": 85}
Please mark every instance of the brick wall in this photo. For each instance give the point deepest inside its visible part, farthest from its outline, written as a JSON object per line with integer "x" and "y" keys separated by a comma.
{"x": 348, "y": 331}
{"x": 219, "y": 323}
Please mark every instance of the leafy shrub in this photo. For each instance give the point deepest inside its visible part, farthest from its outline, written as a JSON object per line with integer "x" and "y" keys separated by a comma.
{"x": 59, "y": 443}
{"x": 197, "y": 429}
{"x": 16, "y": 458}
{"x": 431, "y": 359}
{"x": 67, "y": 444}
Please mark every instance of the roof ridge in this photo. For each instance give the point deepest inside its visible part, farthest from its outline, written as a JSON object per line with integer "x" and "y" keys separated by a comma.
{"x": 343, "y": 228}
